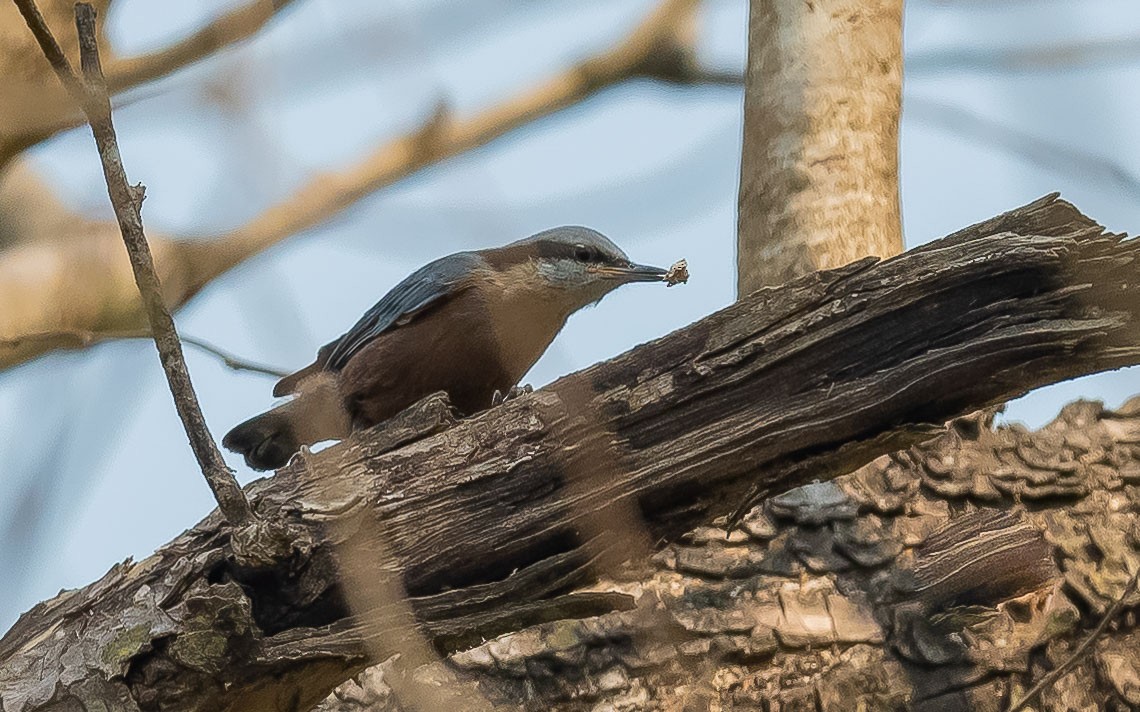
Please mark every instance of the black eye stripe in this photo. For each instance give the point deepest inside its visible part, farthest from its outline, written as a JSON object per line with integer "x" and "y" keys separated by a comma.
{"x": 578, "y": 252}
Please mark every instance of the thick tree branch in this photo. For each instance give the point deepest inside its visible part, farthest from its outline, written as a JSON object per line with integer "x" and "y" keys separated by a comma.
{"x": 91, "y": 94}
{"x": 83, "y": 287}
{"x": 801, "y": 609}
{"x": 499, "y": 513}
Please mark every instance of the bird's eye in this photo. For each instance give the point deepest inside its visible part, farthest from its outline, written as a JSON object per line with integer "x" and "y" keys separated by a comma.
{"x": 584, "y": 254}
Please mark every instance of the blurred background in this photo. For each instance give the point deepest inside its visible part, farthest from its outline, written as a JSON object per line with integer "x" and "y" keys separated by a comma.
{"x": 1004, "y": 101}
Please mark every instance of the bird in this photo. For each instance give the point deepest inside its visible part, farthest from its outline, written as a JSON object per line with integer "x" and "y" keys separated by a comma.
{"x": 470, "y": 324}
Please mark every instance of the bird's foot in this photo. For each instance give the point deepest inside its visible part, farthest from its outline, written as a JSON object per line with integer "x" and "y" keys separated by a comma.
{"x": 499, "y": 398}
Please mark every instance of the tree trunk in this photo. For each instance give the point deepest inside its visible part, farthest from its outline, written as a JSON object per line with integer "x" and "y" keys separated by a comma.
{"x": 488, "y": 524}
{"x": 819, "y": 170}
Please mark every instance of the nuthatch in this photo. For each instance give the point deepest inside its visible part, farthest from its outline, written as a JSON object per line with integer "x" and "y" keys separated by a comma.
{"x": 471, "y": 324}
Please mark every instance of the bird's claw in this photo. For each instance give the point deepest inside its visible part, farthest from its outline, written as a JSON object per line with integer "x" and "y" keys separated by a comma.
{"x": 499, "y": 398}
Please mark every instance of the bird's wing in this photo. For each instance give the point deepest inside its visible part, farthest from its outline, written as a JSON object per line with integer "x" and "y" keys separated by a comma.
{"x": 426, "y": 287}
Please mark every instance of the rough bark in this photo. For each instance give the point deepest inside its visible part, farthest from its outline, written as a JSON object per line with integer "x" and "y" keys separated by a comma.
{"x": 488, "y": 524}
{"x": 800, "y": 609}
{"x": 819, "y": 169}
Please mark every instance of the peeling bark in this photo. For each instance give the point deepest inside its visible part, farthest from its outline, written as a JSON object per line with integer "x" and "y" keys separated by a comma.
{"x": 799, "y": 608}
{"x": 492, "y": 523}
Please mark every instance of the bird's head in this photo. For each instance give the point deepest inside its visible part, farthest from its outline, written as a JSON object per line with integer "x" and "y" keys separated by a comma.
{"x": 580, "y": 265}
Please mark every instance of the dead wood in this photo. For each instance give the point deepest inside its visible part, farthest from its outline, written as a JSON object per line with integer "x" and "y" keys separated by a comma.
{"x": 484, "y": 520}
{"x": 800, "y": 609}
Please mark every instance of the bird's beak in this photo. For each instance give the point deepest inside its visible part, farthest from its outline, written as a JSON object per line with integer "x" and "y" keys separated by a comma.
{"x": 633, "y": 273}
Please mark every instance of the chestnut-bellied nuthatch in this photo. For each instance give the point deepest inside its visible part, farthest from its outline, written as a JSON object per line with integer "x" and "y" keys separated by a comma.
{"x": 470, "y": 324}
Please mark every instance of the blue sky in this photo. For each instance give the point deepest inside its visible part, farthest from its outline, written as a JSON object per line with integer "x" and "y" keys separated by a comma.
{"x": 93, "y": 437}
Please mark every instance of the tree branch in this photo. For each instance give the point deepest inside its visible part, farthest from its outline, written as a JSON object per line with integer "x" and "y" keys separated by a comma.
{"x": 231, "y": 28}
{"x": 83, "y": 287}
{"x": 1051, "y": 155}
{"x": 45, "y": 111}
{"x": 509, "y": 510}
{"x": 444, "y": 136}
{"x": 229, "y": 360}
{"x": 53, "y": 52}
{"x": 857, "y": 585}
{"x": 85, "y": 339}
{"x": 127, "y": 201}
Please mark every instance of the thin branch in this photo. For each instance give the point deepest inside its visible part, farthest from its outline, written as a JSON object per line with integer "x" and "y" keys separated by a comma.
{"x": 55, "y": 114}
{"x": 188, "y": 265}
{"x": 1047, "y": 681}
{"x": 91, "y": 94}
{"x": 78, "y": 338}
{"x": 694, "y": 74}
{"x": 231, "y": 361}
{"x": 52, "y": 51}
{"x": 1052, "y": 155}
{"x": 233, "y": 27}
{"x": 1118, "y": 50}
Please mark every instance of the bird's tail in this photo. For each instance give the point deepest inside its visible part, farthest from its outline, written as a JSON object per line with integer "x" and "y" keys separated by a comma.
{"x": 317, "y": 413}
{"x": 267, "y": 441}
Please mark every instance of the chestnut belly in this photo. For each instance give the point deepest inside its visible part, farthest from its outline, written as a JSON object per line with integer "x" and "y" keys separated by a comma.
{"x": 453, "y": 349}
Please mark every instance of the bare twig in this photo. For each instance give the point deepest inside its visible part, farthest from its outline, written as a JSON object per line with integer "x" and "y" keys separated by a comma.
{"x": 188, "y": 265}
{"x": 1053, "y": 155}
{"x": 81, "y": 339}
{"x": 234, "y": 26}
{"x": 231, "y": 361}
{"x": 1117, "y": 50}
{"x": 52, "y": 51}
{"x": 1056, "y": 674}
{"x": 91, "y": 94}
{"x": 1048, "y": 154}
